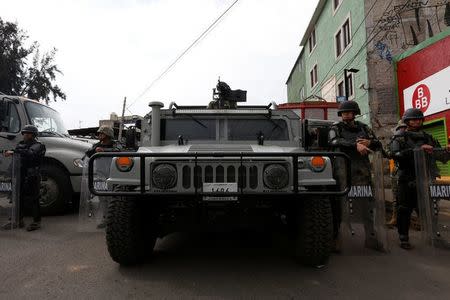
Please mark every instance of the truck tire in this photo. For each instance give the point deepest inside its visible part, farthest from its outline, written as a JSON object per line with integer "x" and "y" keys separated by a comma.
{"x": 130, "y": 234}
{"x": 56, "y": 190}
{"x": 314, "y": 238}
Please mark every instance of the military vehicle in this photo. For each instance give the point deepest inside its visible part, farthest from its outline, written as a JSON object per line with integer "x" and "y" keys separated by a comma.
{"x": 63, "y": 166}
{"x": 221, "y": 165}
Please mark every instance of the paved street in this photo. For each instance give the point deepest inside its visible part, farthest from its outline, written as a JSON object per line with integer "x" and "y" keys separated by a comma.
{"x": 59, "y": 262}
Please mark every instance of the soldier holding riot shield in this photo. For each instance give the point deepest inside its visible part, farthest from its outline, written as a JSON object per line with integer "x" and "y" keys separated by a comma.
{"x": 31, "y": 156}
{"x": 402, "y": 150}
{"x": 357, "y": 140}
{"x": 106, "y": 144}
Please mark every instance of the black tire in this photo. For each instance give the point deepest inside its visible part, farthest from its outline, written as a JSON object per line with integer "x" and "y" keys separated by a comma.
{"x": 56, "y": 190}
{"x": 130, "y": 233}
{"x": 314, "y": 236}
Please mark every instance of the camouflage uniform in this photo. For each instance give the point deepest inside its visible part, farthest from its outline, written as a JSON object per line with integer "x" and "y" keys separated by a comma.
{"x": 394, "y": 175}
{"x": 402, "y": 148}
{"x": 103, "y": 165}
{"x": 343, "y": 137}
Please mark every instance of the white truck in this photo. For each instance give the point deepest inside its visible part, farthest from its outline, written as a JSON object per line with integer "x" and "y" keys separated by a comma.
{"x": 62, "y": 168}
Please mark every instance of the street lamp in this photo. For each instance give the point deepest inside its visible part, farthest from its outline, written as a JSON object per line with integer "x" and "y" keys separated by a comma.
{"x": 346, "y": 71}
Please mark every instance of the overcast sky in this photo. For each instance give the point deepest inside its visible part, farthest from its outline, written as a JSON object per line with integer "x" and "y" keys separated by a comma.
{"x": 108, "y": 49}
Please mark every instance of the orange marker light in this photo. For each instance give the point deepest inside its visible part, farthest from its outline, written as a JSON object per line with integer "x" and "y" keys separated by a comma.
{"x": 124, "y": 164}
{"x": 318, "y": 163}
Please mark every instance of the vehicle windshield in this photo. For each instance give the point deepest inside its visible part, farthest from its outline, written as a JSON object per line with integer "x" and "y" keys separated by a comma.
{"x": 190, "y": 129}
{"x": 250, "y": 129}
{"x": 47, "y": 120}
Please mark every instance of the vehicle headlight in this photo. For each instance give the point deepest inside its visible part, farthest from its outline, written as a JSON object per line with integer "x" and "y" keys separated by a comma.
{"x": 78, "y": 162}
{"x": 164, "y": 176}
{"x": 276, "y": 176}
{"x": 301, "y": 163}
{"x": 317, "y": 163}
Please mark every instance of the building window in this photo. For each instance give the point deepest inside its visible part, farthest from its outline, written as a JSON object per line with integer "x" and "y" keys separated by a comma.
{"x": 313, "y": 76}
{"x": 312, "y": 41}
{"x": 350, "y": 85}
{"x": 336, "y": 4}
{"x": 341, "y": 89}
{"x": 347, "y": 35}
{"x": 343, "y": 38}
{"x": 338, "y": 38}
{"x": 302, "y": 93}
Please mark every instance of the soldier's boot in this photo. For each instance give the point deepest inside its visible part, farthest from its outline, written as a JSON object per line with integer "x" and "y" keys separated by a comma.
{"x": 34, "y": 226}
{"x": 102, "y": 224}
{"x": 13, "y": 225}
{"x": 404, "y": 243}
{"x": 393, "y": 221}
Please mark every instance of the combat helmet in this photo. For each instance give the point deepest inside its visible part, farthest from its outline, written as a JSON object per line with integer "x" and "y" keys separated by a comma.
{"x": 349, "y": 106}
{"x": 30, "y": 129}
{"x": 400, "y": 124}
{"x": 108, "y": 131}
{"x": 411, "y": 114}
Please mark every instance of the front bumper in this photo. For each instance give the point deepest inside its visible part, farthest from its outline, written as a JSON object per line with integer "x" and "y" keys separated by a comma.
{"x": 296, "y": 186}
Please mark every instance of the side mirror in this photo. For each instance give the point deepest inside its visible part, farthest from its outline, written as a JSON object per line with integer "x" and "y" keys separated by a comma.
{"x": 322, "y": 136}
{"x": 131, "y": 139}
{"x": 6, "y": 135}
{"x": 138, "y": 124}
{"x": 3, "y": 110}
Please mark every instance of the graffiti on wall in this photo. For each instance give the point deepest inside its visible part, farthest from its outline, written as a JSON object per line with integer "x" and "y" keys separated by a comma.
{"x": 407, "y": 24}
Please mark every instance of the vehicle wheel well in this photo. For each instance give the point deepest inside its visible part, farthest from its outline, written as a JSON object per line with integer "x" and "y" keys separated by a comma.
{"x": 54, "y": 162}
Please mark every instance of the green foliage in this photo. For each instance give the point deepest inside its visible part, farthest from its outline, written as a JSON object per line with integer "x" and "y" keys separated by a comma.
{"x": 18, "y": 76}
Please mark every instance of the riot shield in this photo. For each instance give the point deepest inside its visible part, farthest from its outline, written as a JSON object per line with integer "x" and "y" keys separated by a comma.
{"x": 9, "y": 191}
{"x": 433, "y": 196}
{"x": 363, "y": 209}
{"x": 93, "y": 209}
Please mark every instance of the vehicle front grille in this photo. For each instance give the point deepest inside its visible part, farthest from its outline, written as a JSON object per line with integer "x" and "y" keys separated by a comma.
{"x": 195, "y": 176}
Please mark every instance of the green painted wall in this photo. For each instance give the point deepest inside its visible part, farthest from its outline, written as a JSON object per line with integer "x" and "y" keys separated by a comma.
{"x": 296, "y": 81}
{"x": 327, "y": 25}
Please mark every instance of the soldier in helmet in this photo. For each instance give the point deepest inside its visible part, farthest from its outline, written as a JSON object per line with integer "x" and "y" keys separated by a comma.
{"x": 31, "y": 156}
{"x": 401, "y": 149}
{"x": 394, "y": 175}
{"x": 357, "y": 140}
{"x": 106, "y": 144}
{"x": 106, "y": 141}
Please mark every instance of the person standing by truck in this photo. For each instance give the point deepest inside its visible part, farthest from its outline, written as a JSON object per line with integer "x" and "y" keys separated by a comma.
{"x": 31, "y": 153}
{"x": 106, "y": 144}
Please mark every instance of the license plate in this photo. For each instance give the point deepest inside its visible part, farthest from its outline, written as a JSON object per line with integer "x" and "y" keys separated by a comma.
{"x": 220, "y": 188}
{"x": 5, "y": 187}
{"x": 100, "y": 186}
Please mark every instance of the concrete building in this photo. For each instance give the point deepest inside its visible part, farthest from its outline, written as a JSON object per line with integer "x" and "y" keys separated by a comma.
{"x": 365, "y": 35}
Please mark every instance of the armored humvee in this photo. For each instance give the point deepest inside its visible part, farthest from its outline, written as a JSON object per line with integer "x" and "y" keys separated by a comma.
{"x": 219, "y": 165}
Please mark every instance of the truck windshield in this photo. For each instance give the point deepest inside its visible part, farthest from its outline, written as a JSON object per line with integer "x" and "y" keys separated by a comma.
{"x": 250, "y": 129}
{"x": 47, "y": 120}
{"x": 190, "y": 129}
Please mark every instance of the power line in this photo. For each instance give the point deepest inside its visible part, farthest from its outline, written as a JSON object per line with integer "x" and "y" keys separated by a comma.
{"x": 195, "y": 42}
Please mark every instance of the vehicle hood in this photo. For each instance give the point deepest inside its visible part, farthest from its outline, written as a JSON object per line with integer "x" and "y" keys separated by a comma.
{"x": 205, "y": 148}
{"x": 65, "y": 151}
{"x": 64, "y": 143}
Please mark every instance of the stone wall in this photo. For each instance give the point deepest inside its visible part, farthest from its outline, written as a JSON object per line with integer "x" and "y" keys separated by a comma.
{"x": 392, "y": 28}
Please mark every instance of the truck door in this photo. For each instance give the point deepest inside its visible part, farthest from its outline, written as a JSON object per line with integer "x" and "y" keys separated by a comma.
{"x": 10, "y": 126}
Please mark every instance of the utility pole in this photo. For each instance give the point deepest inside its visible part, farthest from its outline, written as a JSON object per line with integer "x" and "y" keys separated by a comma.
{"x": 121, "y": 119}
